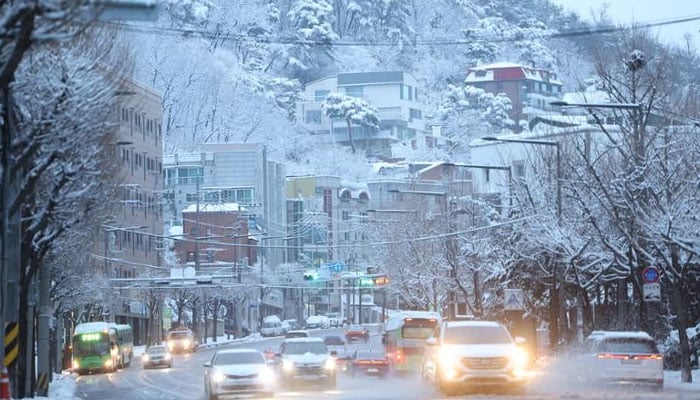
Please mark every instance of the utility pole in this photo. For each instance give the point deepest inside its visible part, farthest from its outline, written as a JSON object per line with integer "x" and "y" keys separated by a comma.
{"x": 196, "y": 226}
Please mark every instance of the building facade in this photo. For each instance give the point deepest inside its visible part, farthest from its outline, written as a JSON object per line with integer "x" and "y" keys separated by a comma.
{"x": 529, "y": 89}
{"x": 394, "y": 94}
{"x": 131, "y": 241}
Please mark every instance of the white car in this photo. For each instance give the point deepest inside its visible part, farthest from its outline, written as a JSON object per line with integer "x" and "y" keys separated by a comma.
{"x": 474, "y": 354}
{"x": 317, "y": 322}
{"x": 626, "y": 358}
{"x": 236, "y": 372}
{"x": 306, "y": 360}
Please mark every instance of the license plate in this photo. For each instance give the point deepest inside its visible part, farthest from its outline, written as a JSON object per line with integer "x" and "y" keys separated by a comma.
{"x": 372, "y": 370}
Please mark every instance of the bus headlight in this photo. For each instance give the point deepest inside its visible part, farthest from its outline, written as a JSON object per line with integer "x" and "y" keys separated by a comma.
{"x": 76, "y": 364}
{"x": 167, "y": 356}
{"x": 108, "y": 364}
{"x": 186, "y": 343}
{"x": 329, "y": 364}
{"x": 146, "y": 357}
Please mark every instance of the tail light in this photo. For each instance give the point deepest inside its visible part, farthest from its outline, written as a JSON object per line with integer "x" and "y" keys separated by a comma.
{"x": 648, "y": 357}
{"x": 611, "y": 356}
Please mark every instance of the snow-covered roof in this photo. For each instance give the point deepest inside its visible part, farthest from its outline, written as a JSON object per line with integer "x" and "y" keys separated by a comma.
{"x": 182, "y": 158}
{"x": 473, "y": 323}
{"x": 531, "y": 73}
{"x": 502, "y": 64}
{"x": 218, "y": 207}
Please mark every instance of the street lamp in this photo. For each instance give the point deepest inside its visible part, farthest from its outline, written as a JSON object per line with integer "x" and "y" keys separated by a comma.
{"x": 554, "y": 300}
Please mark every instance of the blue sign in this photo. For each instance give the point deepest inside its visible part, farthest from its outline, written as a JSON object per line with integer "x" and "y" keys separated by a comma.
{"x": 650, "y": 275}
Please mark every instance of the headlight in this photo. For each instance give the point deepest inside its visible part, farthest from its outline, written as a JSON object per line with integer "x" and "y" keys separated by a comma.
{"x": 266, "y": 376}
{"x": 76, "y": 364}
{"x": 171, "y": 345}
{"x": 167, "y": 356}
{"x": 146, "y": 357}
{"x": 519, "y": 358}
{"x": 447, "y": 358}
{"x": 218, "y": 376}
{"x": 186, "y": 343}
{"x": 108, "y": 363}
{"x": 330, "y": 363}
{"x": 287, "y": 365}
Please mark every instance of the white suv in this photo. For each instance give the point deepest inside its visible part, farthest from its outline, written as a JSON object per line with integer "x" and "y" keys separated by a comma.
{"x": 622, "y": 358}
{"x": 473, "y": 354}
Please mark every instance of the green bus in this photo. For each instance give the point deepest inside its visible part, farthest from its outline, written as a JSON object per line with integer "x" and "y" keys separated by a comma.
{"x": 125, "y": 345}
{"x": 405, "y": 334}
{"x": 95, "y": 347}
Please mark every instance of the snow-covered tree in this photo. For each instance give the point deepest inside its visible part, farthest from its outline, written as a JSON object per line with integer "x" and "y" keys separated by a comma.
{"x": 355, "y": 112}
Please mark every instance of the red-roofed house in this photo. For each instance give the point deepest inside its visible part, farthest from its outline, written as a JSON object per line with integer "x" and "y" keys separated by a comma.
{"x": 528, "y": 88}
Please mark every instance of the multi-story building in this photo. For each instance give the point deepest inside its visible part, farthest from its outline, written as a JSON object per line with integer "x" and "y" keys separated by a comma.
{"x": 238, "y": 173}
{"x": 530, "y": 89}
{"x": 130, "y": 242}
{"x": 394, "y": 94}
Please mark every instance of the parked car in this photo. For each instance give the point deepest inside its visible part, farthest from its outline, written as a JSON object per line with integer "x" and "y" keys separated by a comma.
{"x": 157, "y": 355}
{"x": 293, "y": 324}
{"x": 236, "y": 372}
{"x": 356, "y": 332}
{"x": 271, "y": 328}
{"x": 472, "y": 354}
{"x": 372, "y": 362}
{"x": 286, "y": 327}
{"x": 335, "y": 320}
{"x": 622, "y": 358}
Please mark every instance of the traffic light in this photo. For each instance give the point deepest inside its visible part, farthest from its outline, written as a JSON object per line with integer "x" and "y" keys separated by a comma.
{"x": 310, "y": 276}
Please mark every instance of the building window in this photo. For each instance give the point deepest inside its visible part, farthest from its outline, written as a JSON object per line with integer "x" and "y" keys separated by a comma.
{"x": 355, "y": 91}
{"x": 189, "y": 197}
{"x": 320, "y": 95}
{"x": 414, "y": 114}
{"x": 410, "y": 92}
{"x": 346, "y": 215}
{"x": 211, "y": 197}
{"x": 480, "y": 73}
{"x": 519, "y": 169}
{"x": 401, "y": 91}
{"x": 313, "y": 117}
{"x": 487, "y": 175}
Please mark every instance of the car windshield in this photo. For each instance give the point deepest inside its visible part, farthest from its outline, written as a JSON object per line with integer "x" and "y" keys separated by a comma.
{"x": 627, "y": 345}
{"x": 333, "y": 341}
{"x": 155, "y": 350}
{"x": 178, "y": 335}
{"x": 305, "y": 347}
{"x": 238, "y": 358}
{"x": 411, "y": 332}
{"x": 476, "y": 335}
{"x": 296, "y": 334}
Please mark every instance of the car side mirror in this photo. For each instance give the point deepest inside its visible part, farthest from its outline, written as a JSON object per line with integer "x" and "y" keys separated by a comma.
{"x": 520, "y": 341}
{"x": 207, "y": 364}
{"x": 431, "y": 341}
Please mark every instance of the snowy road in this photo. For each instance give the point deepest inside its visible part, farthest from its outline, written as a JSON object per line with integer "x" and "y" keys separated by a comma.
{"x": 185, "y": 382}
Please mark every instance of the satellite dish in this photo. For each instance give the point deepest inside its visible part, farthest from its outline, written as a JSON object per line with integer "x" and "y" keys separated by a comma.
{"x": 189, "y": 272}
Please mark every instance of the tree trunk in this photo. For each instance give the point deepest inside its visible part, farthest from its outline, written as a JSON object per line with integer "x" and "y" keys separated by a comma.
{"x": 350, "y": 138}
{"x": 682, "y": 325}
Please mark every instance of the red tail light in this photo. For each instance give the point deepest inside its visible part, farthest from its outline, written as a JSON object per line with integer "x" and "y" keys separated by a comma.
{"x": 610, "y": 356}
{"x": 648, "y": 357}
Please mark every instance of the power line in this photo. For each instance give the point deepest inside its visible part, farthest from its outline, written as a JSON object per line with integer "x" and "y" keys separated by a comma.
{"x": 178, "y": 32}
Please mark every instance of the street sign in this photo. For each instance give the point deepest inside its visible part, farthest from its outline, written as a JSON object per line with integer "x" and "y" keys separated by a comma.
{"x": 651, "y": 291}
{"x": 514, "y": 300}
{"x": 650, "y": 274}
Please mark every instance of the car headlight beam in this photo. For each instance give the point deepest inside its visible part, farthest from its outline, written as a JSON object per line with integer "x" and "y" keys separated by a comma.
{"x": 329, "y": 364}
{"x": 146, "y": 357}
{"x": 519, "y": 358}
{"x": 266, "y": 376}
{"x": 287, "y": 365}
{"x": 218, "y": 377}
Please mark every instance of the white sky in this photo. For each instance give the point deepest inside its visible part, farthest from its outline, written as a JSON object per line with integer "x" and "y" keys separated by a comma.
{"x": 643, "y": 11}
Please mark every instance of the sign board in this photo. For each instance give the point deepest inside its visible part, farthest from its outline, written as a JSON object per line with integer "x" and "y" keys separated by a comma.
{"x": 652, "y": 291}
{"x": 650, "y": 274}
{"x": 513, "y": 300}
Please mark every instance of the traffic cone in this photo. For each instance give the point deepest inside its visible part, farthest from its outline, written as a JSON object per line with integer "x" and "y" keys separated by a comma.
{"x": 5, "y": 385}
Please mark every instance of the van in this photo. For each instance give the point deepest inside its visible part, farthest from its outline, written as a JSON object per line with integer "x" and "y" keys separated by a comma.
{"x": 182, "y": 340}
{"x": 271, "y": 327}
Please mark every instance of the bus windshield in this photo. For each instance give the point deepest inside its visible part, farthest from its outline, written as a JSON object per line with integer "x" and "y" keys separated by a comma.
{"x": 418, "y": 328}
{"x": 91, "y": 343}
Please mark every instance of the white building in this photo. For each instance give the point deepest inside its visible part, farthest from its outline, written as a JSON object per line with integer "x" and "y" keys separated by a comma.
{"x": 231, "y": 173}
{"x": 396, "y": 96}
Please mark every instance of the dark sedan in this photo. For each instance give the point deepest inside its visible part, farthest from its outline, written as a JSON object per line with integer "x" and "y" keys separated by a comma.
{"x": 372, "y": 362}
